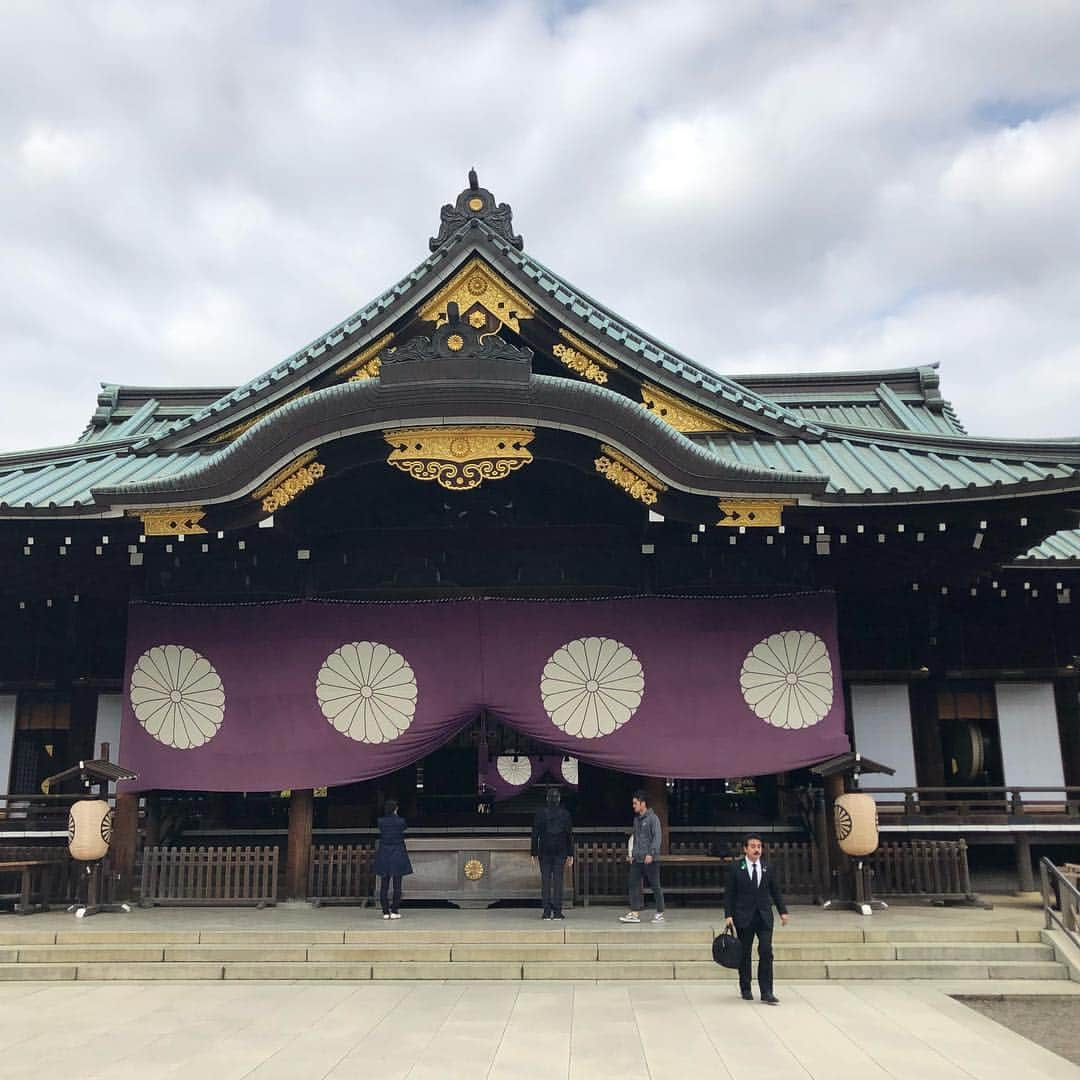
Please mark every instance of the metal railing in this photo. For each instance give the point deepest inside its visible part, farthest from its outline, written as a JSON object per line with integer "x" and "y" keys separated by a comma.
{"x": 1060, "y": 900}
{"x": 1037, "y": 804}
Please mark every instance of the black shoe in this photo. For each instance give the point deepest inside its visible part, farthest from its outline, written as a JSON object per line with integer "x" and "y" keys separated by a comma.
{"x": 547, "y": 915}
{"x": 769, "y": 999}
{"x": 558, "y": 915}
{"x": 746, "y": 995}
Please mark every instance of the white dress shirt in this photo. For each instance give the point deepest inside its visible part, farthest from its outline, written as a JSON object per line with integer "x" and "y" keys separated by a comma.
{"x": 751, "y": 868}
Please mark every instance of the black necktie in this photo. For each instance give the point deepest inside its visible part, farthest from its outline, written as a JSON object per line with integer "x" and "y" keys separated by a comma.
{"x": 753, "y": 874}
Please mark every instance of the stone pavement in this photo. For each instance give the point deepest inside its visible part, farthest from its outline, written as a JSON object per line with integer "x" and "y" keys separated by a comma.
{"x": 285, "y": 1030}
{"x": 443, "y": 1031}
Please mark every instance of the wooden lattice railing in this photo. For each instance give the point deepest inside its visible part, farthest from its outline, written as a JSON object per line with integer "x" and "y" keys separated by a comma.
{"x": 341, "y": 873}
{"x": 920, "y": 868}
{"x": 210, "y": 876}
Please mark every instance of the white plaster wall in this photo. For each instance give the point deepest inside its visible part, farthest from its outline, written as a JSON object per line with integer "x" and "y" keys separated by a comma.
{"x": 881, "y": 715}
{"x": 1030, "y": 743}
{"x": 7, "y": 739}
{"x": 107, "y": 728}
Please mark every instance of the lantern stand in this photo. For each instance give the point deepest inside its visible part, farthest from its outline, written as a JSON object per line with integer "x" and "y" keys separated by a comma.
{"x": 97, "y": 773}
{"x": 850, "y": 883}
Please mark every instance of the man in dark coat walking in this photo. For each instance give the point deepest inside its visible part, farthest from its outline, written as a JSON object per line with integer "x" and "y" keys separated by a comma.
{"x": 748, "y": 902}
{"x": 553, "y": 845}
{"x": 391, "y": 860}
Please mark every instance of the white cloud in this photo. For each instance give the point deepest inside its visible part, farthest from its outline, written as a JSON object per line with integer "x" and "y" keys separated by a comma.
{"x": 199, "y": 190}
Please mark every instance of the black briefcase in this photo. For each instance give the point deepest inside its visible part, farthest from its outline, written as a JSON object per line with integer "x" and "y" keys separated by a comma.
{"x": 727, "y": 948}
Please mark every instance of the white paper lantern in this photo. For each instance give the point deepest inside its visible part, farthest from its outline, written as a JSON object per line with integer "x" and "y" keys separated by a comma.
{"x": 89, "y": 830}
{"x": 856, "y": 824}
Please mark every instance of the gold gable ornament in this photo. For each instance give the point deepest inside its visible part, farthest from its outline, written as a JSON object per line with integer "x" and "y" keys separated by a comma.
{"x": 287, "y": 483}
{"x": 752, "y": 513}
{"x": 680, "y": 414}
{"x": 459, "y": 458}
{"x": 579, "y": 356}
{"x": 476, "y": 285}
{"x": 637, "y": 482}
{"x": 366, "y": 363}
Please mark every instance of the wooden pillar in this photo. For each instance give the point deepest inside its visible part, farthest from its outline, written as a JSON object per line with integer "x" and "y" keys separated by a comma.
{"x": 125, "y": 840}
{"x": 298, "y": 853}
{"x": 1024, "y": 876}
{"x": 656, "y": 790}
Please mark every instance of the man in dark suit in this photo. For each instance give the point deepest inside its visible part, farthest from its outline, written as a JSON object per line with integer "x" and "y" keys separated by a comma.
{"x": 748, "y": 902}
{"x": 553, "y": 845}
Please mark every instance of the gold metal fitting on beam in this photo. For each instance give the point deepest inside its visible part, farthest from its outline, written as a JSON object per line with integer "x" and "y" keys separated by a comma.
{"x": 172, "y": 521}
{"x": 636, "y": 481}
{"x": 752, "y": 513}
{"x": 459, "y": 458}
{"x": 287, "y": 483}
{"x": 680, "y": 414}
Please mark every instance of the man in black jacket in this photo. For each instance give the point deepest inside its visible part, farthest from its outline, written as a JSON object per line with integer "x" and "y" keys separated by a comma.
{"x": 553, "y": 845}
{"x": 748, "y": 902}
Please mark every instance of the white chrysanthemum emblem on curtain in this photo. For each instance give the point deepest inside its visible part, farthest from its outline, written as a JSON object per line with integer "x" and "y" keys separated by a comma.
{"x": 177, "y": 696}
{"x": 787, "y": 679}
{"x": 592, "y": 686}
{"x": 570, "y": 770}
{"x": 514, "y": 769}
{"x": 367, "y": 691}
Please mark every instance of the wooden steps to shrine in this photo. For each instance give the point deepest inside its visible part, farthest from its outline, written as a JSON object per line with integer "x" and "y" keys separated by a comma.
{"x": 562, "y": 953}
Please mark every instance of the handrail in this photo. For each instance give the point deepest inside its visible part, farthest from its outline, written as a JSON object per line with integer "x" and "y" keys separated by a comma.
{"x": 1068, "y": 899}
{"x": 1008, "y": 799}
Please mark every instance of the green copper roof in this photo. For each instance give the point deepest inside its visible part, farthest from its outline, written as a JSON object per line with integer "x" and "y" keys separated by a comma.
{"x": 862, "y": 466}
{"x": 1061, "y": 547}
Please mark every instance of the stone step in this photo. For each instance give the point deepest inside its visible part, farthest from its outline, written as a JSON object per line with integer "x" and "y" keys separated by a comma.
{"x": 79, "y": 954}
{"x": 945, "y": 969}
{"x": 993, "y": 953}
{"x": 601, "y": 969}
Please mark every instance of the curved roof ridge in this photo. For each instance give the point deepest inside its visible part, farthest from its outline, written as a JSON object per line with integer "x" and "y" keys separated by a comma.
{"x": 635, "y": 340}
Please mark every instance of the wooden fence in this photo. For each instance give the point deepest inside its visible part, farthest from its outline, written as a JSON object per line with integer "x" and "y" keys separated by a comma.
{"x": 601, "y": 870}
{"x": 341, "y": 874}
{"x": 210, "y": 876}
{"x": 927, "y": 869}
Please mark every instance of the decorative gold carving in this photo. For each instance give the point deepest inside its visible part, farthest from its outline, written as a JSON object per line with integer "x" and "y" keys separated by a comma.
{"x": 637, "y": 482}
{"x": 752, "y": 513}
{"x": 459, "y": 458}
{"x": 588, "y": 350}
{"x": 680, "y": 414}
{"x": 455, "y": 343}
{"x": 238, "y": 429}
{"x": 172, "y": 521}
{"x": 287, "y": 483}
{"x": 476, "y": 283}
{"x": 477, "y": 319}
{"x": 366, "y": 363}
{"x": 476, "y": 204}
{"x": 474, "y": 869}
{"x": 580, "y": 363}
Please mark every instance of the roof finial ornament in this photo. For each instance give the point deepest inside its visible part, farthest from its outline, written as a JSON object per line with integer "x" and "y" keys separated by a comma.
{"x": 473, "y": 206}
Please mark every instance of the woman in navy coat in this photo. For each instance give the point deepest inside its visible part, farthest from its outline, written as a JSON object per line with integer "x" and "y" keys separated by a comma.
{"x": 391, "y": 859}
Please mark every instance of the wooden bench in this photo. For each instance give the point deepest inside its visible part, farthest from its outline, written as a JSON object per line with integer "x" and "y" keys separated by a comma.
{"x": 26, "y": 869}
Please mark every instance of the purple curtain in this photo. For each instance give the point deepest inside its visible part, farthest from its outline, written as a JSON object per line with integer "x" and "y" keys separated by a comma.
{"x": 261, "y": 697}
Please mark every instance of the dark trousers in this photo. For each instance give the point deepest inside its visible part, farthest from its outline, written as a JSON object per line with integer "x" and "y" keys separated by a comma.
{"x": 384, "y": 893}
{"x": 764, "y": 947}
{"x": 551, "y": 882}
{"x": 651, "y": 873}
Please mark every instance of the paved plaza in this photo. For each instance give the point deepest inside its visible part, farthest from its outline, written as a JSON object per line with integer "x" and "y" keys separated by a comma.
{"x": 286, "y": 1031}
{"x": 142, "y": 1030}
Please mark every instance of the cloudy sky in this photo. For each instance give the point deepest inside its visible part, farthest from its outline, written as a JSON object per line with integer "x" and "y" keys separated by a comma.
{"x": 189, "y": 191}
